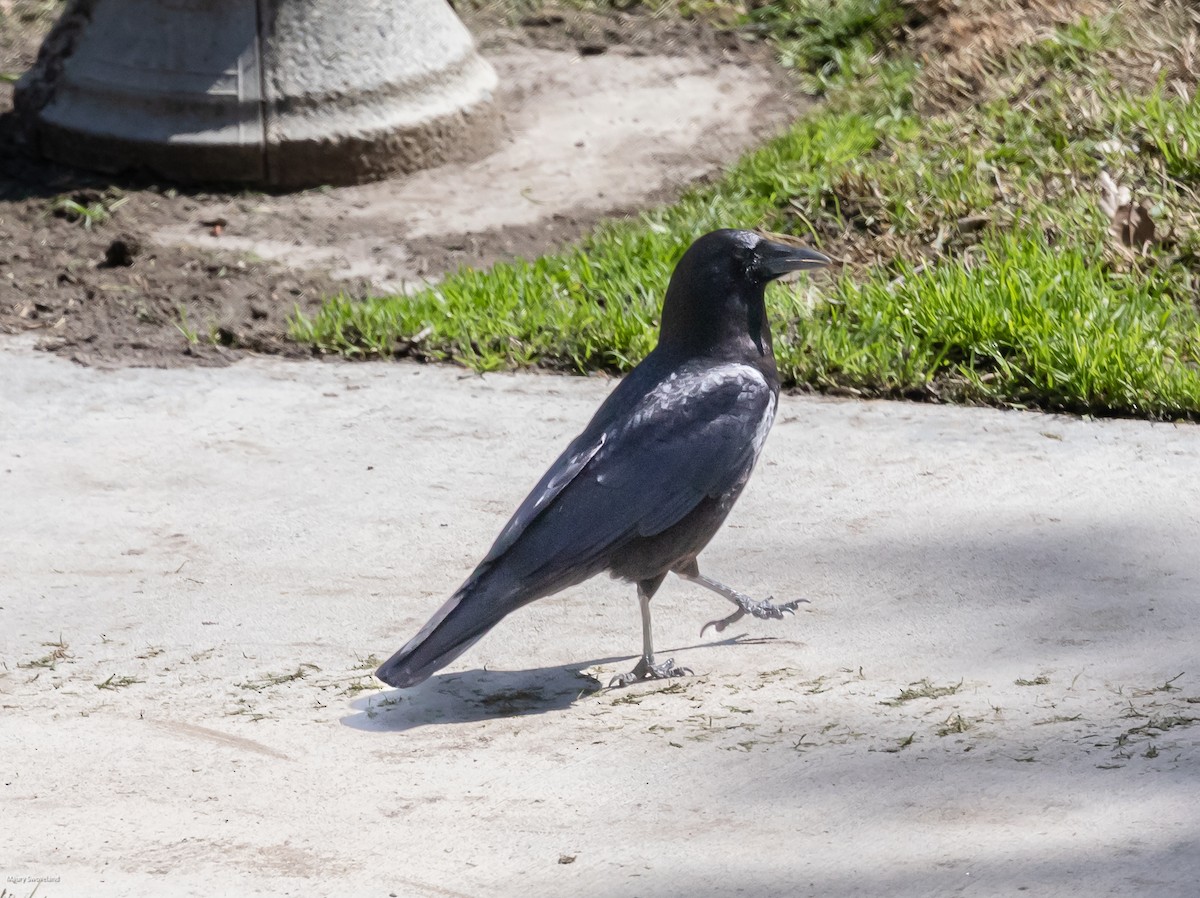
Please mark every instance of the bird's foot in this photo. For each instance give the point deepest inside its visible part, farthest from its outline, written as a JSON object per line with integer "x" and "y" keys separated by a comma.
{"x": 648, "y": 670}
{"x": 764, "y": 610}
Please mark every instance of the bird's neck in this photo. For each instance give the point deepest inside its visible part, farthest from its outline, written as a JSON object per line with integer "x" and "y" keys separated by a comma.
{"x": 725, "y": 328}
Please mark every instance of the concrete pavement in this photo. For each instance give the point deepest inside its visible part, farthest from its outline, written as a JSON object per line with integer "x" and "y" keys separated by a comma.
{"x": 200, "y": 567}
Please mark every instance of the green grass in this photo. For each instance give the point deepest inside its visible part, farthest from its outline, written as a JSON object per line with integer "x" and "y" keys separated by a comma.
{"x": 1166, "y": 125}
{"x": 818, "y": 35}
{"x": 979, "y": 265}
{"x": 88, "y": 213}
{"x": 594, "y": 305}
{"x": 1023, "y": 323}
{"x": 1073, "y": 47}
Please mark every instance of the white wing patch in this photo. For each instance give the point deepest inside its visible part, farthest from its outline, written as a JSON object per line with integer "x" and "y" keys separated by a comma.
{"x": 764, "y": 426}
{"x": 678, "y": 389}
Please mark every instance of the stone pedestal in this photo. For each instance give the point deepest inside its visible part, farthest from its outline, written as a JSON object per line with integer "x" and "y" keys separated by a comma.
{"x": 277, "y": 93}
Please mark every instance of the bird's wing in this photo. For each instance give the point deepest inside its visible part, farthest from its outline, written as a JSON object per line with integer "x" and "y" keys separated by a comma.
{"x": 690, "y": 438}
{"x": 562, "y": 472}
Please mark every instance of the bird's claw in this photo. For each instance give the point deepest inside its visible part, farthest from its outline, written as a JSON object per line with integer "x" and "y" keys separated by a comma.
{"x": 764, "y": 610}
{"x": 720, "y": 625}
{"x": 647, "y": 671}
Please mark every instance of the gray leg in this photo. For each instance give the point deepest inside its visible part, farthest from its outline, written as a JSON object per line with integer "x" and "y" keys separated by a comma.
{"x": 764, "y": 610}
{"x": 646, "y": 669}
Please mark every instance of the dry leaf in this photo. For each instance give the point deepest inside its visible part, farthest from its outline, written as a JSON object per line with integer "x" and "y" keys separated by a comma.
{"x": 1133, "y": 226}
{"x": 1129, "y": 222}
{"x": 216, "y": 226}
{"x": 1113, "y": 195}
{"x": 969, "y": 224}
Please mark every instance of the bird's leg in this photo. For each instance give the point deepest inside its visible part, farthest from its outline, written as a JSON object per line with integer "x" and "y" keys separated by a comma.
{"x": 764, "y": 610}
{"x": 646, "y": 669}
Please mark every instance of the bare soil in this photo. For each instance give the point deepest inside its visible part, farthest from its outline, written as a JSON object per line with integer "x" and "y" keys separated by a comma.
{"x": 605, "y": 115}
{"x": 964, "y": 45}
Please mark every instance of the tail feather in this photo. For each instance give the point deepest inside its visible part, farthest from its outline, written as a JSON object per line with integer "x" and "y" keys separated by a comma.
{"x": 456, "y": 626}
{"x": 494, "y": 590}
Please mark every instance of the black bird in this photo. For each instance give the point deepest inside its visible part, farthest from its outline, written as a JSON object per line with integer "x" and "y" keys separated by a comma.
{"x": 650, "y": 480}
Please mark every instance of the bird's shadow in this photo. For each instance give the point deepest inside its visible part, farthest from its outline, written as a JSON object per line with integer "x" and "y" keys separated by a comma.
{"x": 476, "y": 695}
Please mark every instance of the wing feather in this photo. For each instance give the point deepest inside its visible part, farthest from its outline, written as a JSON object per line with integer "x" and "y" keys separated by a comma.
{"x": 553, "y": 482}
{"x": 691, "y": 438}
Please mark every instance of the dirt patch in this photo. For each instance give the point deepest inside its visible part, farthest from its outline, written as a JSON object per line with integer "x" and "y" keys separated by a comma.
{"x": 133, "y": 272}
{"x": 169, "y": 305}
{"x": 968, "y": 46}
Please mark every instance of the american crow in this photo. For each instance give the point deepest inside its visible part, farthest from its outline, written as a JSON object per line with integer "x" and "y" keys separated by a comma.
{"x": 650, "y": 480}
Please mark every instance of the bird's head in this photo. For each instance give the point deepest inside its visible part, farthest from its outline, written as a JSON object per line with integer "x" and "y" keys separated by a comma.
{"x": 715, "y": 299}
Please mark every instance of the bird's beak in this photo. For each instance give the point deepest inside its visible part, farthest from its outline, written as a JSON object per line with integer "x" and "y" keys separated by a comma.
{"x": 776, "y": 259}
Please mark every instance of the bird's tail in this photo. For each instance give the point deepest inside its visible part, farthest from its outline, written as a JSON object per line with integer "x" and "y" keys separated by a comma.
{"x": 457, "y": 625}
